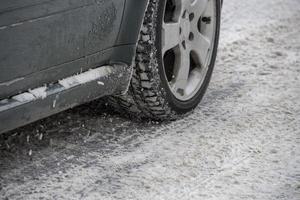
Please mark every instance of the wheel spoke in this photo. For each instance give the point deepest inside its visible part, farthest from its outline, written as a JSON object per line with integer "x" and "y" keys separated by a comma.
{"x": 170, "y": 36}
{"x": 182, "y": 68}
{"x": 199, "y": 7}
{"x": 187, "y": 4}
{"x": 201, "y": 46}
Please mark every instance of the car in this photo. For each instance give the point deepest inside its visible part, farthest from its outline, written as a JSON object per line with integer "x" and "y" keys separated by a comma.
{"x": 151, "y": 58}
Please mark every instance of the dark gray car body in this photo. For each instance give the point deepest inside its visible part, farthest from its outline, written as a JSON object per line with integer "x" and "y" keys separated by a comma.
{"x": 43, "y": 41}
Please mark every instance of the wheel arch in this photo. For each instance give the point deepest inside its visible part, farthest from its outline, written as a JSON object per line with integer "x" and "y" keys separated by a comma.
{"x": 132, "y": 19}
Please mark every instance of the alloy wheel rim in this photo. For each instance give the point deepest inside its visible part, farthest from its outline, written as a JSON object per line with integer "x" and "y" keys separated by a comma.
{"x": 188, "y": 34}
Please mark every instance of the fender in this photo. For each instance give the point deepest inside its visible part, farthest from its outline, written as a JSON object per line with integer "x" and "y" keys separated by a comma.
{"x": 133, "y": 15}
{"x": 132, "y": 20}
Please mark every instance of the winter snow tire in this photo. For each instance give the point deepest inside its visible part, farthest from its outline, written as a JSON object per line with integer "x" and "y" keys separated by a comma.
{"x": 149, "y": 95}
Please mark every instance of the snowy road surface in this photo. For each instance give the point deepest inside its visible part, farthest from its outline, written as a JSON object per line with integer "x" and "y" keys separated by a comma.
{"x": 242, "y": 142}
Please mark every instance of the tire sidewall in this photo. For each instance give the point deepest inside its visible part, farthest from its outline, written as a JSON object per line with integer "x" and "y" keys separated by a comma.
{"x": 175, "y": 104}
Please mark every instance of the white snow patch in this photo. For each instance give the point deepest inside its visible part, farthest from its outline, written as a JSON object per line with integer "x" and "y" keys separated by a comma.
{"x": 100, "y": 83}
{"x": 54, "y": 103}
{"x": 39, "y": 93}
{"x": 85, "y": 77}
{"x": 24, "y": 97}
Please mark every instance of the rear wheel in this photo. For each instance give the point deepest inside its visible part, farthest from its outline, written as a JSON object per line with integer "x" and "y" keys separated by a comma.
{"x": 175, "y": 57}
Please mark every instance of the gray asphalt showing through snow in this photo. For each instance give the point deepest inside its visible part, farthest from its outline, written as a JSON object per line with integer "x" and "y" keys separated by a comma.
{"x": 242, "y": 142}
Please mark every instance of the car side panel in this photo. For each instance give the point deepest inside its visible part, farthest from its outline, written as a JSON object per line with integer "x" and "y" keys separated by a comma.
{"x": 37, "y": 36}
{"x": 118, "y": 55}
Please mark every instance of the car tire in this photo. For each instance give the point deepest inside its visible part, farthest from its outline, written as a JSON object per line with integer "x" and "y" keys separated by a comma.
{"x": 158, "y": 89}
